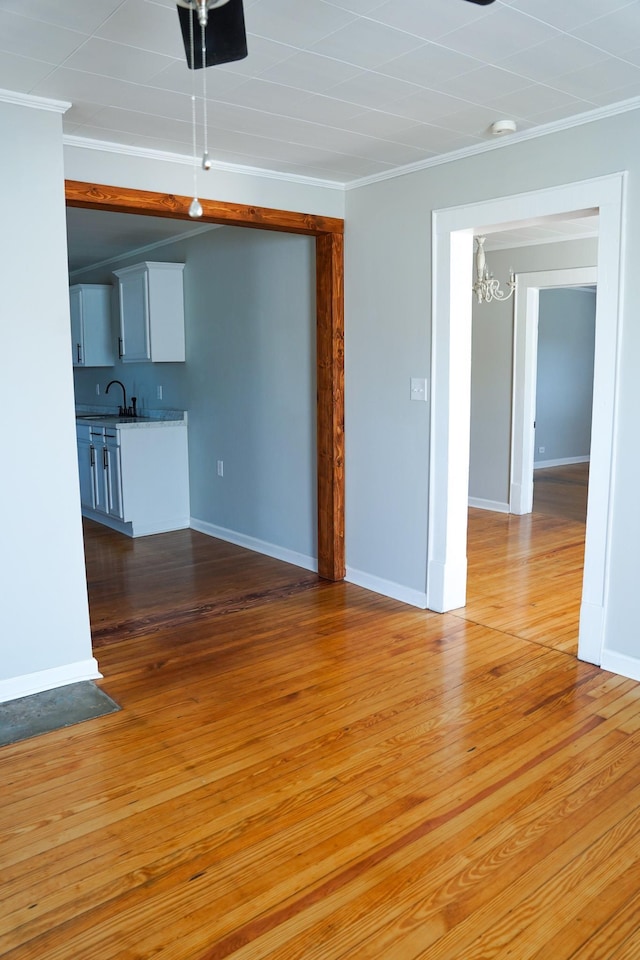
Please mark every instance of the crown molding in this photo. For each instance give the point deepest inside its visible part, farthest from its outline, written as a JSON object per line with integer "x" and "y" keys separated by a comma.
{"x": 624, "y": 106}
{"x": 37, "y": 103}
{"x": 146, "y": 153}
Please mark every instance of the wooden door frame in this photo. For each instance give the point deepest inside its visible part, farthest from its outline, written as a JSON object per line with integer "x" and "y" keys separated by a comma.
{"x": 329, "y": 234}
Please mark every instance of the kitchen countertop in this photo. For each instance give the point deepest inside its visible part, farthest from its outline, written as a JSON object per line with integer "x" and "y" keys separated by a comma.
{"x": 151, "y": 418}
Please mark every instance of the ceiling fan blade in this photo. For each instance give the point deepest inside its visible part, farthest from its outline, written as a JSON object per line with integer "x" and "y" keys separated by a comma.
{"x": 225, "y": 35}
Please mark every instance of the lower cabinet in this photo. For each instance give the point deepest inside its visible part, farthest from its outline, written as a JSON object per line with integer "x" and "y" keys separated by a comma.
{"x": 133, "y": 478}
{"x": 86, "y": 457}
{"x": 106, "y": 473}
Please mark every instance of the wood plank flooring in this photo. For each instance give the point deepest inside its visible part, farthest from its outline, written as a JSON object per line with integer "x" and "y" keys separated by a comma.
{"x": 562, "y": 491}
{"x": 525, "y": 573}
{"x": 304, "y": 769}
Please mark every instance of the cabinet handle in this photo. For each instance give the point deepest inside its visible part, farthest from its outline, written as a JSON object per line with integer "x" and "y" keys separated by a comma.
{"x": 105, "y": 458}
{"x": 120, "y": 351}
{"x": 78, "y": 352}
{"x": 92, "y": 456}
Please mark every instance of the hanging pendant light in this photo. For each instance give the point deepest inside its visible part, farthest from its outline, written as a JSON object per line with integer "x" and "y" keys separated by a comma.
{"x": 486, "y": 287}
{"x": 195, "y": 207}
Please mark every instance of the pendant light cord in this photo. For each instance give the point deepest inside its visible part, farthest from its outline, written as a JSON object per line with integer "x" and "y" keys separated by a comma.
{"x": 203, "y": 41}
{"x": 193, "y": 104}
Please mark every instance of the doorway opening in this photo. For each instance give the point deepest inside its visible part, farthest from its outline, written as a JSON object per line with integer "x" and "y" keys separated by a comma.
{"x": 525, "y": 353}
{"x": 452, "y": 234}
{"x": 329, "y": 263}
{"x": 525, "y": 564}
{"x": 564, "y": 402}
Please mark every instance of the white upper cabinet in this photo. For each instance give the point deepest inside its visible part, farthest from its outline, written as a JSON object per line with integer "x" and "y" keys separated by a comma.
{"x": 91, "y": 335}
{"x": 151, "y": 302}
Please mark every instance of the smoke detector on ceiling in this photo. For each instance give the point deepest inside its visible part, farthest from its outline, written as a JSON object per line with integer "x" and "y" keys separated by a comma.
{"x": 500, "y": 127}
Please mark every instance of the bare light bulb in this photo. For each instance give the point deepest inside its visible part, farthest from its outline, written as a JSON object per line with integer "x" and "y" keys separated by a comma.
{"x": 195, "y": 208}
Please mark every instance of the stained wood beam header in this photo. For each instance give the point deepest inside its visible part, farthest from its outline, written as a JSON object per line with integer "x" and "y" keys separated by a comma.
{"x": 148, "y": 203}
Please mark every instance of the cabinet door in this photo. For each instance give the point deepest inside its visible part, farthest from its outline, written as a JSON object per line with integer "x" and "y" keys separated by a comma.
{"x": 114, "y": 479}
{"x": 99, "y": 477}
{"x": 91, "y": 333}
{"x": 135, "y": 342}
{"x": 86, "y": 458}
{"x": 77, "y": 338}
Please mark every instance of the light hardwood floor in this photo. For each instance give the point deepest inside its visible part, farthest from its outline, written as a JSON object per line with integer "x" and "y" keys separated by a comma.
{"x": 307, "y": 770}
{"x": 525, "y": 573}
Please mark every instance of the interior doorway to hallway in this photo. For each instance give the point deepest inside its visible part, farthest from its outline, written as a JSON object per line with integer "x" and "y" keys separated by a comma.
{"x": 453, "y": 231}
{"x": 525, "y": 366}
{"x": 525, "y": 570}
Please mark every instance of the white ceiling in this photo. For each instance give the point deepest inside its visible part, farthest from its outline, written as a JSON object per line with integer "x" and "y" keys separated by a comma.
{"x": 544, "y": 230}
{"x": 338, "y": 90}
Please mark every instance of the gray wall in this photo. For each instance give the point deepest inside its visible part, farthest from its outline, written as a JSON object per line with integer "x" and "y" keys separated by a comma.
{"x": 388, "y": 337}
{"x": 44, "y": 616}
{"x": 564, "y": 383}
{"x": 492, "y": 364}
{"x": 248, "y": 382}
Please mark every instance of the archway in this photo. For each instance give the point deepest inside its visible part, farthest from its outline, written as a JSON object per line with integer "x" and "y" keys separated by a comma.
{"x": 329, "y": 234}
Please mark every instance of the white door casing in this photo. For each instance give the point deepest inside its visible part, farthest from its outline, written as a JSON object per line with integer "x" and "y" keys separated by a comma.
{"x": 525, "y": 352}
{"x": 452, "y": 241}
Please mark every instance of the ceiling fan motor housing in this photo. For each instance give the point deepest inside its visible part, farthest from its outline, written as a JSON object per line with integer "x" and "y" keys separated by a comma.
{"x": 225, "y": 34}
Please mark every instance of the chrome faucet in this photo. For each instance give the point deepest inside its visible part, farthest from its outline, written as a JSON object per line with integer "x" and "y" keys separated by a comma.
{"x": 123, "y": 411}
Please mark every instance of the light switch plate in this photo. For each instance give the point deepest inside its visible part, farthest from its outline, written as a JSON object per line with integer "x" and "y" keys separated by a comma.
{"x": 418, "y": 388}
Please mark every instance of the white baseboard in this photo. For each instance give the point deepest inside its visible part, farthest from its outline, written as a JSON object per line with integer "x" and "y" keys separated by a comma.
{"x": 591, "y": 632}
{"x": 112, "y": 522}
{"x": 252, "y": 543}
{"x": 30, "y": 683}
{"x": 494, "y": 505}
{"x": 165, "y": 526}
{"x": 388, "y": 588}
{"x": 621, "y": 664}
{"x": 139, "y": 529}
{"x": 447, "y": 583}
{"x": 563, "y": 462}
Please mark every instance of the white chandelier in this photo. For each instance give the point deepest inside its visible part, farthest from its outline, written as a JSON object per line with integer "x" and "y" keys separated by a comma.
{"x": 486, "y": 287}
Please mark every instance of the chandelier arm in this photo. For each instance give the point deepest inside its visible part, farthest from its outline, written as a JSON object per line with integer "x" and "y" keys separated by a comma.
{"x": 485, "y": 286}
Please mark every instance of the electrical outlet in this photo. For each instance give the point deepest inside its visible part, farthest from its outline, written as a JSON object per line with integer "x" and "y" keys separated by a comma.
{"x": 158, "y": 393}
{"x": 221, "y": 468}
{"x": 542, "y": 449}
